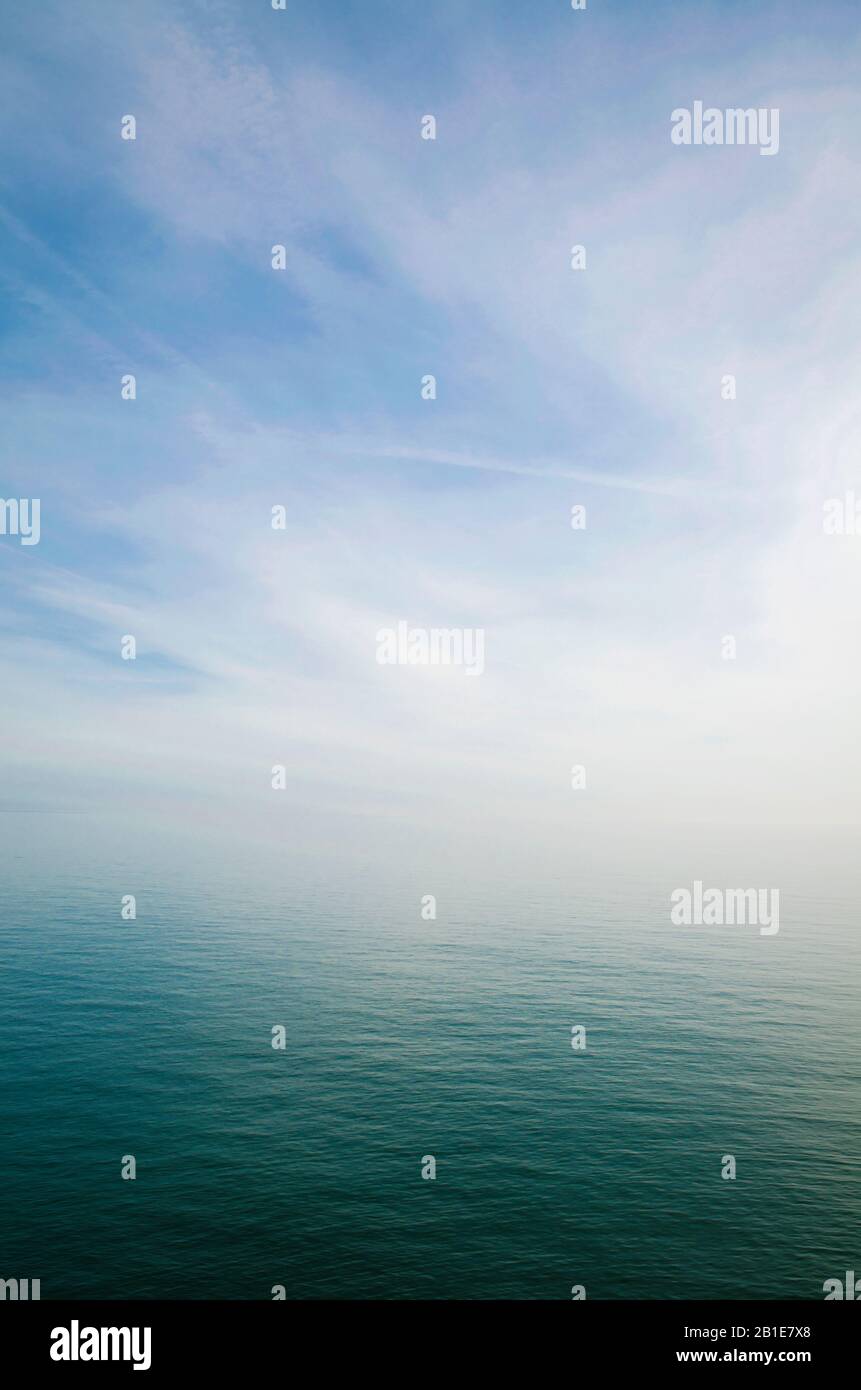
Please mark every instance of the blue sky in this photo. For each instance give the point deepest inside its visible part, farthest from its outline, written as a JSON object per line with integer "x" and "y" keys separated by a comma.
{"x": 301, "y": 388}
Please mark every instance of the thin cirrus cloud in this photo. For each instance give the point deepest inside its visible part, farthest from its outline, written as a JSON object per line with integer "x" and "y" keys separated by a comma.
{"x": 555, "y": 388}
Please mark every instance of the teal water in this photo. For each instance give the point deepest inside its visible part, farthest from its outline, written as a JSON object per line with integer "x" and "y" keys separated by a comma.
{"x": 405, "y": 1038}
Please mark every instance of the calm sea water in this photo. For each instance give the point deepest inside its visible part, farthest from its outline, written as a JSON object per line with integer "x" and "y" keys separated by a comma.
{"x": 405, "y": 1038}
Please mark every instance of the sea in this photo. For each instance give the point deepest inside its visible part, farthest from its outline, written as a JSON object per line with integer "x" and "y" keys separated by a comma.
{"x": 416, "y": 1031}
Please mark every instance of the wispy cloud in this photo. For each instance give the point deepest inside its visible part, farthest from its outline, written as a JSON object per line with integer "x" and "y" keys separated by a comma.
{"x": 555, "y": 388}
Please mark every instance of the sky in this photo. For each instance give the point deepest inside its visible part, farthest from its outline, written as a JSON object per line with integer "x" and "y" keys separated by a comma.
{"x": 556, "y": 388}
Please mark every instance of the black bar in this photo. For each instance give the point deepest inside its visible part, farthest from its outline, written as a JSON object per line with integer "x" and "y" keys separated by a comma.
{"x": 412, "y": 1339}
